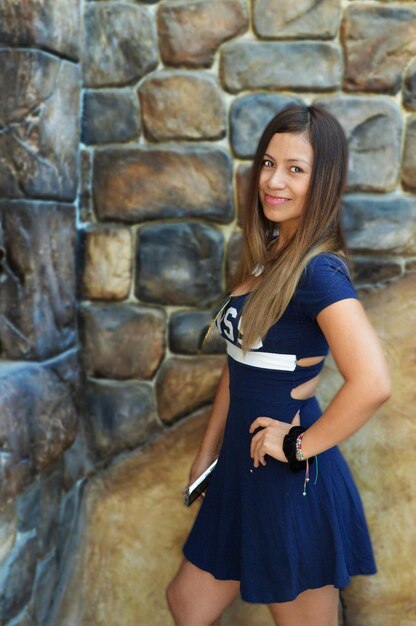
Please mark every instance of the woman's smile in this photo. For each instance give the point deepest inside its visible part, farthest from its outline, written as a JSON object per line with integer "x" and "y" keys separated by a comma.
{"x": 275, "y": 199}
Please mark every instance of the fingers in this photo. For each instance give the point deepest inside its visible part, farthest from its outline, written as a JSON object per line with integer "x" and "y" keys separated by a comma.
{"x": 260, "y": 421}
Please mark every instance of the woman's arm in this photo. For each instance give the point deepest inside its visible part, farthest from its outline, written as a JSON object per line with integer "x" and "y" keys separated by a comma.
{"x": 359, "y": 357}
{"x": 212, "y": 439}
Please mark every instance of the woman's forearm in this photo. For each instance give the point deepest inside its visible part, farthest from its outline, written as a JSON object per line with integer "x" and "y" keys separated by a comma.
{"x": 351, "y": 407}
{"x": 212, "y": 439}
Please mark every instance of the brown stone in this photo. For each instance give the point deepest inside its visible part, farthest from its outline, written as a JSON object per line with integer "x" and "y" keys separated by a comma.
{"x": 150, "y": 183}
{"x": 379, "y": 42}
{"x": 184, "y": 384}
{"x": 242, "y": 182}
{"x": 106, "y": 585}
{"x": 259, "y": 65}
{"x": 37, "y": 423}
{"x": 8, "y": 527}
{"x": 234, "y": 251}
{"x": 122, "y": 340}
{"x": 191, "y": 31}
{"x": 284, "y": 19}
{"x": 409, "y": 156}
{"x": 119, "y": 44}
{"x": 107, "y": 263}
{"x": 373, "y": 127}
{"x": 37, "y": 279}
{"x": 369, "y": 271}
{"x": 383, "y": 474}
{"x": 48, "y": 24}
{"x": 39, "y": 103}
{"x": 409, "y": 87}
{"x": 174, "y": 106}
{"x": 86, "y": 213}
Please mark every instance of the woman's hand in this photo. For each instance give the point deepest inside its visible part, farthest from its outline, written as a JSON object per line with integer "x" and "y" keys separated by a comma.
{"x": 202, "y": 461}
{"x": 269, "y": 440}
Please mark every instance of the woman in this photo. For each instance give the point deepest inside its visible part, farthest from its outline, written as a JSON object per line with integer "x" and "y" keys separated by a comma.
{"x": 264, "y": 529}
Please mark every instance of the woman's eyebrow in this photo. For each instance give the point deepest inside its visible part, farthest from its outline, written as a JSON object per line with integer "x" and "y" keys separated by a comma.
{"x": 299, "y": 159}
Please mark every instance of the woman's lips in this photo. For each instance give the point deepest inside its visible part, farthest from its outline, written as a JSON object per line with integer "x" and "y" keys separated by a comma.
{"x": 275, "y": 199}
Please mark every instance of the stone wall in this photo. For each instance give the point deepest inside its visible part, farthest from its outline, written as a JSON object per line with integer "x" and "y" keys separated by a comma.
{"x": 167, "y": 100}
{"x": 42, "y": 456}
{"x": 176, "y": 95}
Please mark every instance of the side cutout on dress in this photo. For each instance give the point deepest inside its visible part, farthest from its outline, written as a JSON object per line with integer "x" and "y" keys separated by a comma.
{"x": 309, "y": 360}
{"x": 306, "y": 389}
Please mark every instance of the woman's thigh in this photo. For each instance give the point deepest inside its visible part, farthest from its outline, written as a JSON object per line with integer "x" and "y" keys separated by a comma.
{"x": 313, "y": 607}
{"x": 196, "y": 598}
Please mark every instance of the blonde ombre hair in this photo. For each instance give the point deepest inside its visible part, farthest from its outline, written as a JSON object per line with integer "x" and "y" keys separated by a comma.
{"x": 319, "y": 229}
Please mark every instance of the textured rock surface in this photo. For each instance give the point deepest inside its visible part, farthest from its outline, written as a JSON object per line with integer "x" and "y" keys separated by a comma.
{"x": 37, "y": 287}
{"x": 234, "y": 248}
{"x": 409, "y": 87}
{"x": 369, "y": 271}
{"x": 107, "y": 263}
{"x": 46, "y": 426}
{"x": 17, "y": 576}
{"x": 308, "y": 19}
{"x": 377, "y": 451}
{"x": 119, "y": 44}
{"x": 140, "y": 184}
{"x": 122, "y": 341}
{"x": 373, "y": 127}
{"x": 409, "y": 155}
{"x": 243, "y": 180}
{"x": 110, "y": 116}
{"x": 191, "y": 31}
{"x": 121, "y": 416}
{"x": 174, "y": 106}
{"x": 186, "y": 329}
{"x": 39, "y": 102}
{"x": 49, "y": 24}
{"x": 255, "y": 65}
{"x": 380, "y": 223}
{"x": 179, "y": 264}
{"x": 379, "y": 42}
{"x": 184, "y": 384}
{"x": 249, "y": 116}
{"x": 144, "y": 487}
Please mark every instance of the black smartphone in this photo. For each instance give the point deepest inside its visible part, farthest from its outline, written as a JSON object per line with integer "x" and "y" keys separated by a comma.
{"x": 199, "y": 485}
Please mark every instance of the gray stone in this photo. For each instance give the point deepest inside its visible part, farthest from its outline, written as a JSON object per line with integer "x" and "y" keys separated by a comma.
{"x": 410, "y": 266}
{"x": 368, "y": 271}
{"x": 249, "y": 116}
{"x": 373, "y": 127}
{"x": 409, "y": 155}
{"x": 8, "y": 527}
{"x": 67, "y": 521}
{"x": 45, "y": 427}
{"x": 380, "y": 223}
{"x": 37, "y": 290}
{"x": 179, "y": 264}
{"x": 259, "y": 65}
{"x": 243, "y": 181}
{"x": 28, "y": 506}
{"x": 119, "y": 44}
{"x": 140, "y": 184}
{"x": 110, "y": 116}
{"x": 108, "y": 256}
{"x": 234, "y": 252}
{"x": 17, "y": 576}
{"x": 48, "y": 24}
{"x": 122, "y": 340}
{"x": 284, "y": 19}
{"x": 121, "y": 416}
{"x": 409, "y": 87}
{"x": 186, "y": 328}
{"x": 50, "y": 501}
{"x": 86, "y": 213}
{"x": 174, "y": 106}
{"x": 66, "y": 367}
{"x": 39, "y": 102}
{"x": 24, "y": 618}
{"x": 379, "y": 41}
{"x": 44, "y": 586}
{"x": 77, "y": 462}
{"x": 191, "y": 31}
{"x": 185, "y": 384}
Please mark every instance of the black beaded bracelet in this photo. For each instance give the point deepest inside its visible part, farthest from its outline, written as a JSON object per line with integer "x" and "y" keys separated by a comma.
{"x": 289, "y": 449}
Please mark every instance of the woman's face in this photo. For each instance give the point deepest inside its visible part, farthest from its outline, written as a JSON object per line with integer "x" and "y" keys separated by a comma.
{"x": 284, "y": 179}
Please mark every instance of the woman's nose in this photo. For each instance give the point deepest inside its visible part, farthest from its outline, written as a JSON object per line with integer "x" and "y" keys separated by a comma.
{"x": 277, "y": 180}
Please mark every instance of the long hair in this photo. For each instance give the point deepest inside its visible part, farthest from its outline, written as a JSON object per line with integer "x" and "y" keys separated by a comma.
{"x": 319, "y": 228}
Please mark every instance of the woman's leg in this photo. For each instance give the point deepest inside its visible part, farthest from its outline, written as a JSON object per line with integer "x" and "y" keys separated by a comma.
{"x": 313, "y": 607}
{"x": 196, "y": 598}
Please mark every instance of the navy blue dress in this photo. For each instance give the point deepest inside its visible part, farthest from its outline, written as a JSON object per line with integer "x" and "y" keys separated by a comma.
{"x": 255, "y": 525}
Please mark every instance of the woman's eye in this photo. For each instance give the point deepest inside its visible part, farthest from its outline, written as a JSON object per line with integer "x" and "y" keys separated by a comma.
{"x": 267, "y": 161}
{"x": 298, "y": 168}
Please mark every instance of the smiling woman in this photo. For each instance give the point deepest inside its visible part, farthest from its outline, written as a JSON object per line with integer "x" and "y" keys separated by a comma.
{"x": 264, "y": 528}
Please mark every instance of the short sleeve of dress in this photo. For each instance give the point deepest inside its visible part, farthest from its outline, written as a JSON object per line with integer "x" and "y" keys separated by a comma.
{"x": 325, "y": 280}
